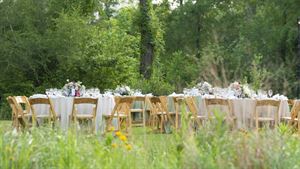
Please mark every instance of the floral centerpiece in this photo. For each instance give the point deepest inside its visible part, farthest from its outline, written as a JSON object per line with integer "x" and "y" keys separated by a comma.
{"x": 241, "y": 90}
{"x": 123, "y": 90}
{"x": 204, "y": 88}
{"x": 235, "y": 89}
{"x": 247, "y": 91}
{"x": 73, "y": 89}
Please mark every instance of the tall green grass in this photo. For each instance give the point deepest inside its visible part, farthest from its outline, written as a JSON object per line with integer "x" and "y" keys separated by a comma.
{"x": 214, "y": 145}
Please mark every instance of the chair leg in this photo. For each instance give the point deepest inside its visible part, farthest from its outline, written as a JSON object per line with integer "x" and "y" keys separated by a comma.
{"x": 119, "y": 123}
{"x": 161, "y": 124}
{"x": 176, "y": 117}
{"x": 93, "y": 125}
{"x": 298, "y": 124}
{"x": 144, "y": 118}
{"x": 153, "y": 122}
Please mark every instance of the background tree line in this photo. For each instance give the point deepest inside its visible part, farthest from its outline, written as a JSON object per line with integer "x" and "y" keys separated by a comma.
{"x": 147, "y": 46}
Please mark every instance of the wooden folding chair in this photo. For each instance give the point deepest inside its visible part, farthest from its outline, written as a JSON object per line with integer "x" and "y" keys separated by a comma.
{"x": 294, "y": 114}
{"x": 121, "y": 112}
{"x": 141, "y": 110}
{"x": 192, "y": 106}
{"x": 14, "y": 113}
{"x": 212, "y": 102}
{"x": 76, "y": 116}
{"x": 177, "y": 104}
{"x": 23, "y": 110}
{"x": 268, "y": 103}
{"x": 291, "y": 104}
{"x": 159, "y": 114}
{"x": 51, "y": 116}
{"x": 170, "y": 115}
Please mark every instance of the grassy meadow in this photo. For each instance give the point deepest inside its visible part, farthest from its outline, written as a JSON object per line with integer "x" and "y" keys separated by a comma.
{"x": 212, "y": 146}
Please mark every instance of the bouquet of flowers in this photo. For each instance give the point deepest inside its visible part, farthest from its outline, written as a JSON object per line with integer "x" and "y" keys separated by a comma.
{"x": 242, "y": 90}
{"x": 123, "y": 90}
{"x": 73, "y": 89}
{"x": 247, "y": 92}
{"x": 236, "y": 88}
{"x": 204, "y": 88}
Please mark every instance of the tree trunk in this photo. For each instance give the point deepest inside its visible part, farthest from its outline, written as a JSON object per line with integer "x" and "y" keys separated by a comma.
{"x": 283, "y": 45}
{"x": 198, "y": 47}
{"x": 180, "y": 2}
{"x": 298, "y": 60}
{"x": 147, "y": 41}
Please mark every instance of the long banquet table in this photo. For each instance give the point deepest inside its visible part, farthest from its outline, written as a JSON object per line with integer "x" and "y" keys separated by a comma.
{"x": 243, "y": 109}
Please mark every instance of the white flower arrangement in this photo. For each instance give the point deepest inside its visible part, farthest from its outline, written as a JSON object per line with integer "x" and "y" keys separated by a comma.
{"x": 235, "y": 89}
{"x": 247, "y": 91}
{"x": 235, "y": 86}
{"x": 204, "y": 88}
{"x": 123, "y": 90}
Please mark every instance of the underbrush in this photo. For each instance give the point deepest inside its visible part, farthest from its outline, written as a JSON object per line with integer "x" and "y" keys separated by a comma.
{"x": 214, "y": 145}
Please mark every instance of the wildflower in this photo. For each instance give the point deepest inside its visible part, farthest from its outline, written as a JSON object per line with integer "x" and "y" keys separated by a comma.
{"x": 128, "y": 147}
{"x": 111, "y": 129}
{"x": 8, "y": 149}
{"x": 114, "y": 145}
{"x": 30, "y": 141}
{"x": 123, "y": 138}
{"x": 118, "y": 133}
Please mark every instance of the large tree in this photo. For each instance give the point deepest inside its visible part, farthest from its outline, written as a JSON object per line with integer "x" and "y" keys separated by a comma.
{"x": 147, "y": 40}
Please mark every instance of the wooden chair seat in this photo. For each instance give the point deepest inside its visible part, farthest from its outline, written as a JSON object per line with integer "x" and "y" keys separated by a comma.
{"x": 289, "y": 118}
{"x": 84, "y": 116}
{"x": 25, "y": 115}
{"x": 286, "y": 118}
{"x": 173, "y": 113}
{"x": 265, "y": 119}
{"x": 234, "y": 117}
{"x": 161, "y": 113}
{"x": 200, "y": 117}
{"x": 121, "y": 115}
{"x": 42, "y": 116}
{"x": 164, "y": 113}
{"x": 137, "y": 110}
